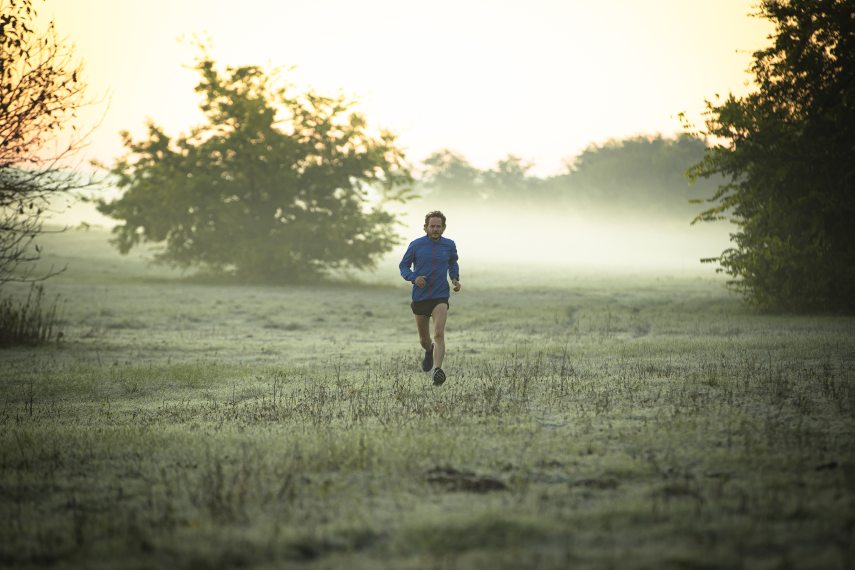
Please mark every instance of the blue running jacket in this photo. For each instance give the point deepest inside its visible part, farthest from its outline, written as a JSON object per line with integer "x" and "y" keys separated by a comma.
{"x": 434, "y": 260}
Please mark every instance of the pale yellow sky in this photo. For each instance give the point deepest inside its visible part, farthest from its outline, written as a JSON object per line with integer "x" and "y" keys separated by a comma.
{"x": 537, "y": 78}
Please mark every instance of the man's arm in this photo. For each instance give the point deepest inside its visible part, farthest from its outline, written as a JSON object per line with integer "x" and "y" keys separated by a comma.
{"x": 453, "y": 267}
{"x": 407, "y": 262}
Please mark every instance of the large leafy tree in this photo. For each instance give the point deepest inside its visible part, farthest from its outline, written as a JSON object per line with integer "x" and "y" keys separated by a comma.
{"x": 41, "y": 92}
{"x": 787, "y": 152}
{"x": 274, "y": 187}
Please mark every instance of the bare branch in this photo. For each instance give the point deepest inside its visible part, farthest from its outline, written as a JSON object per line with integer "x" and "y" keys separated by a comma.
{"x": 41, "y": 93}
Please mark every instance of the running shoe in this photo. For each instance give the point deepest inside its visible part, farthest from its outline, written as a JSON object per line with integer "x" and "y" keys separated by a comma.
{"x": 438, "y": 377}
{"x": 427, "y": 362}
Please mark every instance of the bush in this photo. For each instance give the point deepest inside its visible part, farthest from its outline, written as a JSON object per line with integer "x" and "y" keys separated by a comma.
{"x": 30, "y": 322}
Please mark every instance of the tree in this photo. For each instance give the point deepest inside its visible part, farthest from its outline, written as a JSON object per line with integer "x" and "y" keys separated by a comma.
{"x": 40, "y": 94}
{"x": 787, "y": 156}
{"x": 510, "y": 180}
{"x": 275, "y": 187}
{"x": 449, "y": 176}
{"x": 638, "y": 175}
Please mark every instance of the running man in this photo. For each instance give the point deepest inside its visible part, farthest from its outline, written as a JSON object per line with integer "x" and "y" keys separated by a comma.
{"x": 427, "y": 263}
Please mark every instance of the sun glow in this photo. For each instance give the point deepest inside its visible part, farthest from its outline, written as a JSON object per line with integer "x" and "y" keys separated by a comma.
{"x": 539, "y": 79}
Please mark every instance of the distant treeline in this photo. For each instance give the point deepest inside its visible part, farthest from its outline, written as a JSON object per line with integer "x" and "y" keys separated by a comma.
{"x": 643, "y": 174}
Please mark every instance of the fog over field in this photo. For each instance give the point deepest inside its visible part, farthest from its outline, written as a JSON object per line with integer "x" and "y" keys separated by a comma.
{"x": 565, "y": 239}
{"x": 550, "y": 241}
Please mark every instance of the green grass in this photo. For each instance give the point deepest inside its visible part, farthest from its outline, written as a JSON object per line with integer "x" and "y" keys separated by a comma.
{"x": 588, "y": 421}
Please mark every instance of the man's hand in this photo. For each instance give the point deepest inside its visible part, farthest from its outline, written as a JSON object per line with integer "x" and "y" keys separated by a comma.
{"x": 420, "y": 281}
{"x": 456, "y": 285}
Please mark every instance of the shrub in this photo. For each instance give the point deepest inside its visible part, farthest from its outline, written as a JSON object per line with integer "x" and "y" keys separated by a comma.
{"x": 28, "y": 322}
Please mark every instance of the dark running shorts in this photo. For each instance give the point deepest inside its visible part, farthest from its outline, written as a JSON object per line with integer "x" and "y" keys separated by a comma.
{"x": 425, "y": 308}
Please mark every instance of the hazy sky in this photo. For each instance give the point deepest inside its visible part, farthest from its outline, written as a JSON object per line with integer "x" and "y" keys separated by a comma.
{"x": 541, "y": 79}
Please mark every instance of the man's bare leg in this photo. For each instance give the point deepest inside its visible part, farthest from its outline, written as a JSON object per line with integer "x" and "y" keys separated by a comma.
{"x": 440, "y": 314}
{"x": 423, "y": 324}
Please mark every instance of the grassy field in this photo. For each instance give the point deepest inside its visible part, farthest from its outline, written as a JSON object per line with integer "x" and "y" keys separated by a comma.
{"x": 589, "y": 421}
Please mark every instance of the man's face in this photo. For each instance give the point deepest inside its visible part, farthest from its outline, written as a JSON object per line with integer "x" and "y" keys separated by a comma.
{"x": 434, "y": 228}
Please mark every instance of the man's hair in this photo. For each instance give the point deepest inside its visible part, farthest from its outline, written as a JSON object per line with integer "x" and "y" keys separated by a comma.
{"x": 435, "y": 214}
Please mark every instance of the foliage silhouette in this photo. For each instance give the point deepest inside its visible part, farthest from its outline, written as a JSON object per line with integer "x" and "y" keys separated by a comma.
{"x": 275, "y": 187}
{"x": 787, "y": 156}
{"x": 641, "y": 175}
{"x": 41, "y": 91}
